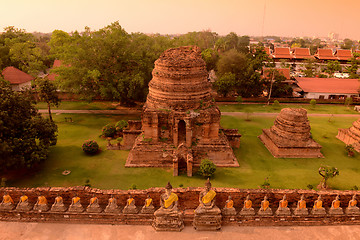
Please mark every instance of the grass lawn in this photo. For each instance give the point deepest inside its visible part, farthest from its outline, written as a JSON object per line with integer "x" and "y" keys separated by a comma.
{"x": 81, "y": 105}
{"x": 319, "y": 108}
{"x": 106, "y": 170}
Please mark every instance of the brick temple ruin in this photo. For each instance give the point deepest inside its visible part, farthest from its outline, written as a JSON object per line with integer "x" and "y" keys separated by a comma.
{"x": 180, "y": 123}
{"x": 351, "y": 136}
{"x": 290, "y": 136}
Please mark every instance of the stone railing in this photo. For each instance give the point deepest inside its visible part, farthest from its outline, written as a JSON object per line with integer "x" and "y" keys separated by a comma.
{"x": 188, "y": 201}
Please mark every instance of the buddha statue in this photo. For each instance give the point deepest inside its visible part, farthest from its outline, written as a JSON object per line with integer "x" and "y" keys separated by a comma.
{"x": 207, "y": 214}
{"x": 352, "y": 208}
{"x": 23, "y": 204}
{"x": 301, "y": 207}
{"x": 75, "y": 205}
{"x": 130, "y": 207}
{"x": 335, "y": 208}
{"x": 93, "y": 206}
{"x": 229, "y": 209}
{"x": 168, "y": 217}
{"x": 112, "y": 206}
{"x": 265, "y": 207}
{"x": 58, "y": 205}
{"x": 318, "y": 208}
{"x": 148, "y": 206}
{"x": 41, "y": 204}
{"x": 283, "y": 208}
{"x": 7, "y": 203}
{"x": 247, "y": 208}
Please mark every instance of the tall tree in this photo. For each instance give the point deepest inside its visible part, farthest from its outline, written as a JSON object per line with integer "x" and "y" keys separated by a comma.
{"x": 354, "y": 65}
{"x": 48, "y": 93}
{"x": 332, "y": 67}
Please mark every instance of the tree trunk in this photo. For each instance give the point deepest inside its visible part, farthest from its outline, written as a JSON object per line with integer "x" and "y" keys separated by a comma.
{"x": 271, "y": 84}
{"x": 50, "y": 112}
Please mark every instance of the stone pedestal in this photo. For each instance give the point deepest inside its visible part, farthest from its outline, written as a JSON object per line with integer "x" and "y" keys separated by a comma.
{"x": 41, "y": 207}
{"x": 247, "y": 212}
{"x": 352, "y": 211}
{"x": 318, "y": 211}
{"x": 207, "y": 222}
{"x": 147, "y": 210}
{"x": 267, "y": 212}
{"x": 283, "y": 211}
{"x": 6, "y": 206}
{"x": 94, "y": 208}
{"x": 76, "y": 208}
{"x": 301, "y": 211}
{"x": 130, "y": 210}
{"x": 336, "y": 211}
{"x": 228, "y": 211}
{"x": 169, "y": 222}
{"x": 58, "y": 208}
{"x": 23, "y": 206}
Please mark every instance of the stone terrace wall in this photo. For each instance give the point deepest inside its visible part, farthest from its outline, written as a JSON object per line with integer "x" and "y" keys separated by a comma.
{"x": 188, "y": 201}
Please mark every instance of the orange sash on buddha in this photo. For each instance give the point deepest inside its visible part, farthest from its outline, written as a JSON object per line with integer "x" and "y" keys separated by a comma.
{"x": 23, "y": 198}
{"x": 42, "y": 200}
{"x": 8, "y": 199}
{"x": 302, "y": 204}
{"x": 265, "y": 205}
{"x": 76, "y": 199}
{"x": 336, "y": 204}
{"x": 58, "y": 199}
{"x": 130, "y": 201}
{"x": 92, "y": 200}
{"x": 248, "y": 204}
{"x": 353, "y": 203}
{"x": 318, "y": 204}
{"x": 284, "y": 203}
{"x": 230, "y": 204}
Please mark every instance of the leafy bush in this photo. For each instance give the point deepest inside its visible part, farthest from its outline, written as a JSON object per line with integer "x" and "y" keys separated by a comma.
{"x": 309, "y": 186}
{"x": 266, "y": 184}
{"x": 313, "y": 103}
{"x": 133, "y": 187}
{"x": 276, "y": 104}
{"x": 207, "y": 168}
{"x": 120, "y": 125}
{"x": 348, "y": 101}
{"x": 90, "y": 147}
{"x": 109, "y": 130}
{"x": 239, "y": 99}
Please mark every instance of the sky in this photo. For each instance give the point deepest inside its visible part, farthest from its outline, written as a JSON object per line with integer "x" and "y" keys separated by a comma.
{"x": 288, "y": 18}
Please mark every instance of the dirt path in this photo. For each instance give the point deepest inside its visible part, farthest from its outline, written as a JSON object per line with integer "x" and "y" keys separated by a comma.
{"x": 44, "y": 231}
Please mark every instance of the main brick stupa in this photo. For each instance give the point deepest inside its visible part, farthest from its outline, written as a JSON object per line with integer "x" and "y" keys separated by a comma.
{"x": 351, "y": 136}
{"x": 180, "y": 120}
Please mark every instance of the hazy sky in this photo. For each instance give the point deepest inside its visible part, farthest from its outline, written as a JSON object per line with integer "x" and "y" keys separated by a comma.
{"x": 245, "y": 17}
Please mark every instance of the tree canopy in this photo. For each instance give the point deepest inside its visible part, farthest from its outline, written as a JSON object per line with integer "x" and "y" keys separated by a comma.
{"x": 25, "y": 135}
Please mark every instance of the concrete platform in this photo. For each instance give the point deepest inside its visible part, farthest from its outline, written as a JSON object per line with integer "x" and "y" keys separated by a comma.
{"x": 45, "y": 231}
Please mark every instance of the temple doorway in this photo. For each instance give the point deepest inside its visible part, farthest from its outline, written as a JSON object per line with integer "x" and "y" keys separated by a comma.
{"x": 181, "y": 132}
{"x": 182, "y": 165}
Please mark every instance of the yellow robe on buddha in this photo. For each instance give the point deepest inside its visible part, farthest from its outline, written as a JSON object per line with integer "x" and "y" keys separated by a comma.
{"x": 130, "y": 200}
{"x": 208, "y": 196}
{"x": 172, "y": 198}
{"x": 148, "y": 202}
{"x": 336, "y": 204}
{"x": 58, "y": 199}
{"x": 76, "y": 199}
{"x": 230, "y": 204}
{"x": 92, "y": 200}
{"x": 8, "y": 199}
{"x": 23, "y": 198}
{"x": 318, "y": 204}
{"x": 353, "y": 203}
{"x": 284, "y": 203}
{"x": 42, "y": 200}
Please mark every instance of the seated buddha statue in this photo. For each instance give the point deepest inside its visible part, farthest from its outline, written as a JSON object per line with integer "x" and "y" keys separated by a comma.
{"x": 283, "y": 208}
{"x": 265, "y": 207}
{"x": 247, "y": 208}
{"x": 207, "y": 201}
{"x": 130, "y": 207}
{"x": 75, "y": 205}
{"x": 93, "y": 206}
{"x": 7, "y": 203}
{"x": 318, "y": 209}
{"x": 352, "y": 208}
{"x": 112, "y": 206}
{"x": 41, "y": 204}
{"x": 229, "y": 209}
{"x": 335, "y": 208}
{"x": 58, "y": 205}
{"x": 23, "y": 204}
{"x": 148, "y": 205}
{"x": 207, "y": 214}
{"x": 168, "y": 217}
{"x": 301, "y": 207}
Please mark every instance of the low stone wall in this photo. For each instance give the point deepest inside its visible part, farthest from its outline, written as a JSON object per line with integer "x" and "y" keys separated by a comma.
{"x": 188, "y": 201}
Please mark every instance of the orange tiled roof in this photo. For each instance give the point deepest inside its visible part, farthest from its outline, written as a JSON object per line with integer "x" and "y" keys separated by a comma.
{"x": 16, "y": 76}
{"x": 283, "y": 71}
{"x": 343, "y": 54}
{"x": 329, "y": 85}
{"x": 302, "y": 53}
{"x": 52, "y": 76}
{"x": 282, "y": 52}
{"x": 325, "y": 54}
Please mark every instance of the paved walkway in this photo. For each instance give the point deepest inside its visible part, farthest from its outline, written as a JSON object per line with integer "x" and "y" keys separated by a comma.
{"x": 45, "y": 231}
{"x": 136, "y": 112}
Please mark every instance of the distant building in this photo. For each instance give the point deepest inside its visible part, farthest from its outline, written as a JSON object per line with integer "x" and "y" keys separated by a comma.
{"x": 328, "y": 88}
{"x": 17, "y": 78}
{"x": 343, "y": 55}
{"x": 52, "y": 76}
{"x": 301, "y": 54}
{"x": 325, "y": 54}
{"x": 282, "y": 53}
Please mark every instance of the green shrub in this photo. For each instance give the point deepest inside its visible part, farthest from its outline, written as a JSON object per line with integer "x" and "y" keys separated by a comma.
{"x": 313, "y": 103}
{"x": 120, "y": 125}
{"x": 109, "y": 130}
{"x": 239, "y": 99}
{"x": 90, "y": 147}
{"x": 133, "y": 186}
{"x": 266, "y": 184}
{"x": 276, "y": 104}
{"x": 348, "y": 101}
{"x": 309, "y": 186}
{"x": 207, "y": 168}
{"x": 87, "y": 183}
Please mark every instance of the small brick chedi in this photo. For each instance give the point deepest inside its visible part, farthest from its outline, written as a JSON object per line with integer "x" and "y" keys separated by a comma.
{"x": 351, "y": 135}
{"x": 290, "y": 136}
{"x": 180, "y": 120}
